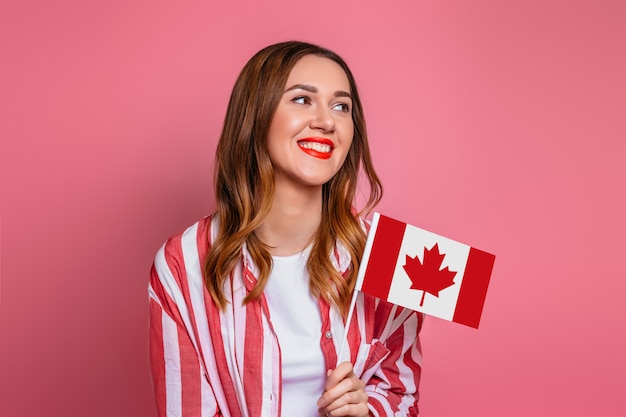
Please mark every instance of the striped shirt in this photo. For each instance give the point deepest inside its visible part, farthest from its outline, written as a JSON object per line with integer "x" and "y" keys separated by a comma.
{"x": 209, "y": 362}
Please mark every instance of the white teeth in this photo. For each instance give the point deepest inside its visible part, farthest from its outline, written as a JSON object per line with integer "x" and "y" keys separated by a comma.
{"x": 319, "y": 147}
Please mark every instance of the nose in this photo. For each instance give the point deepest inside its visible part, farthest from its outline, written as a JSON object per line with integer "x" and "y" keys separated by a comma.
{"x": 323, "y": 120}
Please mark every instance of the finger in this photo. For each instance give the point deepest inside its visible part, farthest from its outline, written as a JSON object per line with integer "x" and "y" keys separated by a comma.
{"x": 336, "y": 385}
{"x": 348, "y": 391}
{"x": 352, "y": 410}
{"x": 342, "y": 371}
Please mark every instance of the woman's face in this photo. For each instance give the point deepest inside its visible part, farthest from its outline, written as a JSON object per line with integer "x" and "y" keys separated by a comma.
{"x": 312, "y": 129}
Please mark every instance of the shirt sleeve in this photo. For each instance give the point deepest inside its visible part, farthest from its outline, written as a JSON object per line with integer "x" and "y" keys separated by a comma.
{"x": 180, "y": 386}
{"x": 393, "y": 389}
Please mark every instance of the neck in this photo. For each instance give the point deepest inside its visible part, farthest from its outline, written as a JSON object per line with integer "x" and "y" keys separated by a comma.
{"x": 293, "y": 220}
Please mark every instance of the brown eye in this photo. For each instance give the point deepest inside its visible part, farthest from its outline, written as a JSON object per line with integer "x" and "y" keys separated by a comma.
{"x": 301, "y": 100}
{"x": 343, "y": 107}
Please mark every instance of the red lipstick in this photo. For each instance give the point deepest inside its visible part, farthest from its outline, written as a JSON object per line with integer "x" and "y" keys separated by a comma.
{"x": 321, "y": 148}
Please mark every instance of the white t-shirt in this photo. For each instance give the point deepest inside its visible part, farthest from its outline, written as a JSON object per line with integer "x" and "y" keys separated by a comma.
{"x": 295, "y": 316}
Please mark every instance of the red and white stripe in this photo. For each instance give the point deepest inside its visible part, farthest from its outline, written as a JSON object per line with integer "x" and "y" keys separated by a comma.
{"x": 207, "y": 362}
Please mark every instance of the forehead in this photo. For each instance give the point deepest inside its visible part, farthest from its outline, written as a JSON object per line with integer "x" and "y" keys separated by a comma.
{"x": 319, "y": 72}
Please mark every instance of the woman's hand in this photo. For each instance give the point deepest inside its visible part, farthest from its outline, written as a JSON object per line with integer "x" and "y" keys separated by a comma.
{"x": 344, "y": 394}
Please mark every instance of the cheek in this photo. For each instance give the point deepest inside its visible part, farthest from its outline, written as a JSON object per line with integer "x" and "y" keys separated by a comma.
{"x": 348, "y": 135}
{"x": 347, "y": 129}
{"x": 286, "y": 124}
{"x": 347, "y": 141}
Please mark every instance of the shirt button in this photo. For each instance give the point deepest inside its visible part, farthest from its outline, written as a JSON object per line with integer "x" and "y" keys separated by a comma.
{"x": 328, "y": 335}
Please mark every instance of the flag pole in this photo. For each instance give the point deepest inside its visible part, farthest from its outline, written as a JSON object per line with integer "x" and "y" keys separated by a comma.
{"x": 359, "y": 282}
{"x": 347, "y": 327}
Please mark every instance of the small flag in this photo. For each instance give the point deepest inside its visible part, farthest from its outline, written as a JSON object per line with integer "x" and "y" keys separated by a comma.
{"x": 420, "y": 270}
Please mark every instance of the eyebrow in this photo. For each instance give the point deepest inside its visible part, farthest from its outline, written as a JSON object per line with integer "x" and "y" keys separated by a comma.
{"x": 312, "y": 89}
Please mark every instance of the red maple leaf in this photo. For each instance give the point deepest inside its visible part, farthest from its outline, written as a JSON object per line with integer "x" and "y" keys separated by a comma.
{"x": 427, "y": 276}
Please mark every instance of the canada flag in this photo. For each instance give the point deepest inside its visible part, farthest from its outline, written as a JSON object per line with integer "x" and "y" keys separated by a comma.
{"x": 423, "y": 271}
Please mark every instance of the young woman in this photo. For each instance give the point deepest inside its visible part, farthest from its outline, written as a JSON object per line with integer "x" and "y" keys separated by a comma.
{"x": 248, "y": 305}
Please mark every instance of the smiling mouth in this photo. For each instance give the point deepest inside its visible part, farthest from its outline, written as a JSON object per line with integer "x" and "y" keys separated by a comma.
{"x": 321, "y": 148}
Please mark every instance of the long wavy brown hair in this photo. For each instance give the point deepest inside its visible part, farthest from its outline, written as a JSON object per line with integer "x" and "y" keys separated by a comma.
{"x": 244, "y": 182}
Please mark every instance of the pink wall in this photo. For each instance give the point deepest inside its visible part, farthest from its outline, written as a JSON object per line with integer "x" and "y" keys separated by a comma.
{"x": 497, "y": 123}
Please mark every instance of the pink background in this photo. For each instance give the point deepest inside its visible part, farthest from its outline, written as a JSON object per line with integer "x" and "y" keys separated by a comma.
{"x": 501, "y": 124}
